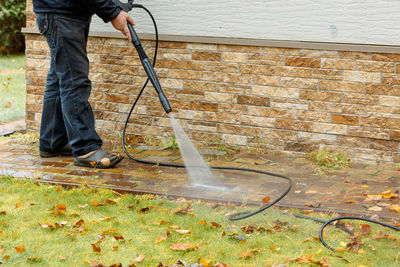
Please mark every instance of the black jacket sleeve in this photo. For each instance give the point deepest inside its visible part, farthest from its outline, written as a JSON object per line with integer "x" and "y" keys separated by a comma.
{"x": 105, "y": 9}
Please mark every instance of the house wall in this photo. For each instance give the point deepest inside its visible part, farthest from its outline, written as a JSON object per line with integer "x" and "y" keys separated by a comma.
{"x": 339, "y": 21}
{"x": 293, "y": 100}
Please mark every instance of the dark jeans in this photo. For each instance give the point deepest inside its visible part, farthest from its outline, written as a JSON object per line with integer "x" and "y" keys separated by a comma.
{"x": 67, "y": 115}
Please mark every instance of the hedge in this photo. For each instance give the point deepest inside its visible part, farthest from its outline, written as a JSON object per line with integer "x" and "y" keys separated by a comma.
{"x": 12, "y": 19}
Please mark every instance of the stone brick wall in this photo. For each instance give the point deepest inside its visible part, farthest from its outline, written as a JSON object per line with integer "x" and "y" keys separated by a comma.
{"x": 293, "y": 100}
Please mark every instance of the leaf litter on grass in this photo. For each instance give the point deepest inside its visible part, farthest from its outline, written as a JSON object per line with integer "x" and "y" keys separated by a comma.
{"x": 189, "y": 231}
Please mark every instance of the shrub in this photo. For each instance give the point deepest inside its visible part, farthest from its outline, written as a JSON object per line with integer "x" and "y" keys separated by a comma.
{"x": 12, "y": 19}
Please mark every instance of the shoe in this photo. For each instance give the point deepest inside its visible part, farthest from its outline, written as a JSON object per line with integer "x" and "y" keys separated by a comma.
{"x": 100, "y": 160}
{"x": 65, "y": 151}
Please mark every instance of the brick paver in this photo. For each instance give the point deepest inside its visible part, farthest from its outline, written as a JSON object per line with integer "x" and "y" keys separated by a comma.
{"x": 344, "y": 192}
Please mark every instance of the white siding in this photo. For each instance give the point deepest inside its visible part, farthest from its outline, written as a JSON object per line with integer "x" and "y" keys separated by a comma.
{"x": 338, "y": 21}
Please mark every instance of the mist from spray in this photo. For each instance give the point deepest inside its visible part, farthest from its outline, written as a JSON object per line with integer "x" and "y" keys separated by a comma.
{"x": 199, "y": 172}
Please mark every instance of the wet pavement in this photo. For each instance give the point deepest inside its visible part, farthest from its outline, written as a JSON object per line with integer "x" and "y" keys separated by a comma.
{"x": 357, "y": 190}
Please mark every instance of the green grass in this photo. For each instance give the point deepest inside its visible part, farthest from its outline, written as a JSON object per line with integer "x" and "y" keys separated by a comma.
{"x": 12, "y": 62}
{"x": 13, "y": 96}
{"x": 327, "y": 160}
{"x": 26, "y": 207}
{"x": 12, "y": 88}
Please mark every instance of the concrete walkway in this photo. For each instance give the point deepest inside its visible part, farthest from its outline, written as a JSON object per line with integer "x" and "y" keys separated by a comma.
{"x": 356, "y": 190}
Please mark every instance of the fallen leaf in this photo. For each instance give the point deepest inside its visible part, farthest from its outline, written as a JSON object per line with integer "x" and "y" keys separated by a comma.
{"x": 60, "y": 209}
{"x": 231, "y": 213}
{"x": 184, "y": 247}
{"x": 118, "y": 237}
{"x": 162, "y": 238}
{"x": 274, "y": 248}
{"x": 217, "y": 225}
{"x": 3, "y": 212}
{"x": 111, "y": 230}
{"x": 114, "y": 248}
{"x": 95, "y": 248}
{"x": 388, "y": 194}
{"x": 6, "y": 257}
{"x": 375, "y": 208}
{"x": 351, "y": 201}
{"x": 110, "y": 201}
{"x": 382, "y": 235}
{"x": 248, "y": 254}
{"x": 20, "y": 249}
{"x": 8, "y": 105}
{"x": 365, "y": 228}
{"x": 202, "y": 222}
{"x": 266, "y": 200}
{"x": 139, "y": 258}
{"x": 96, "y": 204}
{"x": 183, "y": 231}
{"x": 361, "y": 251}
{"x": 395, "y": 208}
{"x": 183, "y": 210}
{"x": 311, "y": 192}
{"x": 19, "y": 204}
{"x": 62, "y": 257}
{"x": 83, "y": 206}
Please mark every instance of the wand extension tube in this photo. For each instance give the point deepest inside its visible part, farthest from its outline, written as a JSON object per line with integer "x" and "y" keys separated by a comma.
{"x": 148, "y": 67}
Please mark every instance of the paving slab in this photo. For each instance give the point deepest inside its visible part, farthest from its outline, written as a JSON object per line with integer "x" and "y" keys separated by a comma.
{"x": 344, "y": 192}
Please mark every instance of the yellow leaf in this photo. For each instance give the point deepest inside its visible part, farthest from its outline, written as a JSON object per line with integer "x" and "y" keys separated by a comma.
{"x": 395, "y": 208}
{"x": 20, "y": 249}
{"x": 361, "y": 251}
{"x": 340, "y": 249}
{"x": 19, "y": 204}
{"x": 184, "y": 247}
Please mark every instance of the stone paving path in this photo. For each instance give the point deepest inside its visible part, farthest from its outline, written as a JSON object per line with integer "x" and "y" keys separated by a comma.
{"x": 345, "y": 192}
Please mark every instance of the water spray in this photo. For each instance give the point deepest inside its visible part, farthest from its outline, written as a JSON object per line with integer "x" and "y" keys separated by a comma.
{"x": 152, "y": 77}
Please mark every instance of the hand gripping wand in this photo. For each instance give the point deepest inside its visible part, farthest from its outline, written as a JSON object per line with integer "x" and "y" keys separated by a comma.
{"x": 148, "y": 67}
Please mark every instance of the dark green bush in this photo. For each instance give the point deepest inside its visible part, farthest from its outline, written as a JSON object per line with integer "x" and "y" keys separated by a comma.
{"x": 12, "y": 19}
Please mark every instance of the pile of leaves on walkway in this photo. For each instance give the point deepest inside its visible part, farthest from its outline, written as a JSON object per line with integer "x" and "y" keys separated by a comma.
{"x": 47, "y": 225}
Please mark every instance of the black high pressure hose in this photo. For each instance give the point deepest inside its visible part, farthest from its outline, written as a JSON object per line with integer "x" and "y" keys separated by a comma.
{"x": 241, "y": 215}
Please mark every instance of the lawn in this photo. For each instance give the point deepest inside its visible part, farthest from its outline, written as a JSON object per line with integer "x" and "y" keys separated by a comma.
{"x": 47, "y": 225}
{"x": 12, "y": 88}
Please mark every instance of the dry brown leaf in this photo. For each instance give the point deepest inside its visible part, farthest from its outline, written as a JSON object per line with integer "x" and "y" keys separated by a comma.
{"x": 365, "y": 228}
{"x": 183, "y": 247}
{"x": 351, "y": 201}
{"x": 118, "y": 237}
{"x": 217, "y": 225}
{"x": 202, "y": 222}
{"x": 95, "y": 248}
{"x": 266, "y": 200}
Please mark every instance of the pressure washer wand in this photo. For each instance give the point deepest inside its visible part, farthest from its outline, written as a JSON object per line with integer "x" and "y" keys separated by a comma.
{"x": 148, "y": 67}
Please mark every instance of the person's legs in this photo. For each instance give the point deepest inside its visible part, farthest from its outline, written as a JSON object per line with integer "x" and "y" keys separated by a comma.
{"x": 72, "y": 70}
{"x": 53, "y": 135}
